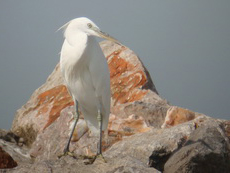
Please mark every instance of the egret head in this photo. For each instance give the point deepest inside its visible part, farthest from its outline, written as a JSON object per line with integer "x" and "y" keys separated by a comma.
{"x": 88, "y": 27}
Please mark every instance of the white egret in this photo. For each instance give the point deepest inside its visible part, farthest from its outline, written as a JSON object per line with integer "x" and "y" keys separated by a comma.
{"x": 85, "y": 70}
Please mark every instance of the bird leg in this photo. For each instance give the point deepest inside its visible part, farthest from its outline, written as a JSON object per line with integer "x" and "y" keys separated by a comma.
{"x": 66, "y": 149}
{"x": 99, "y": 118}
{"x": 99, "y": 152}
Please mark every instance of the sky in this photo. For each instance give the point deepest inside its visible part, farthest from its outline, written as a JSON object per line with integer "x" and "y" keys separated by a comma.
{"x": 185, "y": 45}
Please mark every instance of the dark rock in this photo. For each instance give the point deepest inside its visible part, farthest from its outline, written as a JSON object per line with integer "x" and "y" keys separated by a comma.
{"x": 6, "y": 161}
{"x": 158, "y": 158}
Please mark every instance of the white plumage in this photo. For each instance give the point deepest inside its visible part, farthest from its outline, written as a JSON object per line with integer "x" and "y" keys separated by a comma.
{"x": 86, "y": 73}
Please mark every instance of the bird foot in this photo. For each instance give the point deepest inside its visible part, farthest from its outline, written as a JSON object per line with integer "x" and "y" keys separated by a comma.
{"x": 91, "y": 159}
{"x": 67, "y": 153}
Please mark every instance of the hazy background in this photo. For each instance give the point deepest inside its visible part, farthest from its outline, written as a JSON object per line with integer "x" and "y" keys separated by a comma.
{"x": 185, "y": 45}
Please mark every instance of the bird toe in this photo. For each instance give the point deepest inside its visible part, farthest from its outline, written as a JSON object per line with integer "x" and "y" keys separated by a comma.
{"x": 92, "y": 159}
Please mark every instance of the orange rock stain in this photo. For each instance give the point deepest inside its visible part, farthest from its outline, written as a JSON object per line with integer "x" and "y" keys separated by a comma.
{"x": 125, "y": 80}
{"x": 53, "y": 100}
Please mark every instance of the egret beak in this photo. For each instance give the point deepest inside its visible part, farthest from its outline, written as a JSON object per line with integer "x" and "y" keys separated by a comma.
{"x": 105, "y": 35}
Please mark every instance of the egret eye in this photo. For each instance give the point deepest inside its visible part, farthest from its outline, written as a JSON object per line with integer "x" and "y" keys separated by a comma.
{"x": 89, "y": 25}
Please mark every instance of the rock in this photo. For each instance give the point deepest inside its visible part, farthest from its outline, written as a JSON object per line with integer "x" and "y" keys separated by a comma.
{"x": 176, "y": 115}
{"x": 130, "y": 81}
{"x": 132, "y": 89}
{"x": 158, "y": 158}
{"x": 206, "y": 150}
{"x": 6, "y": 161}
{"x": 141, "y": 147}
